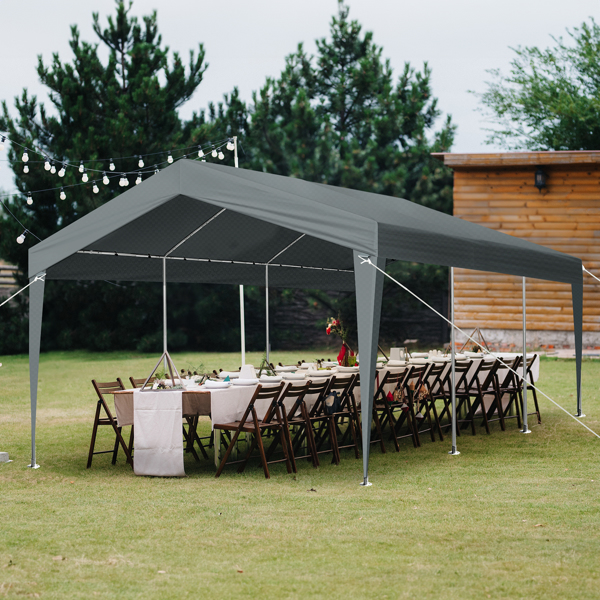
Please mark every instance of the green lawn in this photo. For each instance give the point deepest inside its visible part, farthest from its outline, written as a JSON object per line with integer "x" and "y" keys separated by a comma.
{"x": 514, "y": 516}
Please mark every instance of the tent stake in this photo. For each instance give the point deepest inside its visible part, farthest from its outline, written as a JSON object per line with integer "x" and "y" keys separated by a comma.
{"x": 454, "y": 451}
{"x": 525, "y": 428}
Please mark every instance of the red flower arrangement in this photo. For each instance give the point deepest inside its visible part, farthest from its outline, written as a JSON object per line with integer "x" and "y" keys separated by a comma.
{"x": 335, "y": 326}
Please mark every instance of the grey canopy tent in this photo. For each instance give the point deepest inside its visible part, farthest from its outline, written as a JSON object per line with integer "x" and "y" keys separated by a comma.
{"x": 216, "y": 224}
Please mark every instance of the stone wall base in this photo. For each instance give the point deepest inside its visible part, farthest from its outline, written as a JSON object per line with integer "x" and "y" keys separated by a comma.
{"x": 503, "y": 338}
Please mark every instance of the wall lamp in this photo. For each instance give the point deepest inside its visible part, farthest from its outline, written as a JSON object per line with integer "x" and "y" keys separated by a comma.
{"x": 540, "y": 179}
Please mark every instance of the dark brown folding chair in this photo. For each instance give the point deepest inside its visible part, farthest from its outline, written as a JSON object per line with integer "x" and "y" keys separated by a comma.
{"x": 101, "y": 389}
{"x": 271, "y": 423}
{"x": 383, "y": 408}
{"x": 530, "y": 389}
{"x": 487, "y": 370}
{"x": 510, "y": 385}
{"x": 345, "y": 414}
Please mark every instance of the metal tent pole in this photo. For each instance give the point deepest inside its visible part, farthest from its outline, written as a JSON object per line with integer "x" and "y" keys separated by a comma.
{"x": 164, "y": 278}
{"x": 525, "y": 428}
{"x": 454, "y": 451}
{"x": 242, "y": 315}
{"x": 267, "y": 307}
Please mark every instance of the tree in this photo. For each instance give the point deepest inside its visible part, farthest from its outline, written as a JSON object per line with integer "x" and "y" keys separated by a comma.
{"x": 342, "y": 118}
{"x": 551, "y": 98}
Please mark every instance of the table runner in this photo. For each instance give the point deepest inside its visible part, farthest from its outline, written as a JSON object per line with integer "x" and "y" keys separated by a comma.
{"x": 158, "y": 440}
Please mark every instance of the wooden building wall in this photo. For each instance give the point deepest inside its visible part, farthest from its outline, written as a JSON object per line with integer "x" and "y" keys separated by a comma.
{"x": 564, "y": 216}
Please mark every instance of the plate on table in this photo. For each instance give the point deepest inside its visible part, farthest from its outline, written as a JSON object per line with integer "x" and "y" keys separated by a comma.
{"x": 270, "y": 378}
{"x": 313, "y": 373}
{"x": 329, "y": 363}
{"x": 285, "y": 368}
{"x": 396, "y": 363}
{"x": 347, "y": 369}
{"x": 294, "y": 376}
{"x": 419, "y": 354}
{"x": 216, "y": 385}
{"x": 308, "y": 366}
{"x": 419, "y": 361}
{"x": 241, "y": 381}
{"x": 230, "y": 374}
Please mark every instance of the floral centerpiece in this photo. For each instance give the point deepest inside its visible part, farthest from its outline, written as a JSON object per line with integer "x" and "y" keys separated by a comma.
{"x": 346, "y": 356}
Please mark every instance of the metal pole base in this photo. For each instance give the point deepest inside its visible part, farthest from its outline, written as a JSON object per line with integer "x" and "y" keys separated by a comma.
{"x": 580, "y": 416}
{"x": 454, "y": 452}
{"x": 33, "y": 466}
{"x": 366, "y": 482}
{"x": 526, "y": 431}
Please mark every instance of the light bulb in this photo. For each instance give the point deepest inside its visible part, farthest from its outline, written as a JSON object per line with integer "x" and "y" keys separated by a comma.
{"x": 170, "y": 158}
{"x": 230, "y": 145}
{"x": 53, "y": 169}
{"x": 29, "y": 199}
{"x": 47, "y": 165}
{"x": 156, "y": 169}
{"x": 141, "y": 163}
{"x": 125, "y": 181}
{"x": 221, "y": 155}
{"x": 21, "y": 238}
{"x": 2, "y": 140}
{"x": 25, "y": 169}
{"x": 63, "y": 196}
{"x": 81, "y": 167}
{"x": 104, "y": 178}
{"x": 139, "y": 179}
{"x": 84, "y": 177}
{"x": 95, "y": 189}
{"x": 200, "y": 152}
{"x": 214, "y": 152}
{"x": 62, "y": 171}
{"x": 25, "y": 156}
{"x": 112, "y": 165}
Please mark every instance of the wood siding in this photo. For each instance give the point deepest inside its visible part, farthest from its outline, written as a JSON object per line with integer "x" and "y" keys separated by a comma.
{"x": 564, "y": 216}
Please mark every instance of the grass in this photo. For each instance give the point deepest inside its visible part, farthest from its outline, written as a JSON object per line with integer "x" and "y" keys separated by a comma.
{"x": 514, "y": 516}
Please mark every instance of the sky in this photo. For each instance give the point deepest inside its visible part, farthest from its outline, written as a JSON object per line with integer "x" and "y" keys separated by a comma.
{"x": 247, "y": 41}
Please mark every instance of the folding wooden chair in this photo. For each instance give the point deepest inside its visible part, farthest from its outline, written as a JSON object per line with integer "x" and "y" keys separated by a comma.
{"x": 530, "y": 389}
{"x": 271, "y": 422}
{"x": 463, "y": 389}
{"x": 101, "y": 389}
{"x": 383, "y": 408}
{"x": 345, "y": 413}
{"x": 489, "y": 387}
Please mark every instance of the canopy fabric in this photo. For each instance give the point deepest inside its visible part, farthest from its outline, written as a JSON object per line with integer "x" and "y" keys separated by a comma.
{"x": 218, "y": 224}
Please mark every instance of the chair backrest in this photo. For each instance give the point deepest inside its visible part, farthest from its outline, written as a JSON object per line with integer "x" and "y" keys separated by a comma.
{"x": 293, "y": 391}
{"x": 509, "y": 380}
{"x": 266, "y": 393}
{"x": 136, "y": 383}
{"x": 489, "y": 367}
{"x": 461, "y": 370}
{"x": 414, "y": 376}
{"x": 434, "y": 378}
{"x": 107, "y": 387}
{"x": 395, "y": 379}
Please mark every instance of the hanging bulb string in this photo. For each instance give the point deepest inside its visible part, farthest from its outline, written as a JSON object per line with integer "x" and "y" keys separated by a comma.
{"x": 37, "y": 278}
{"x": 45, "y": 155}
{"x": 17, "y": 220}
{"x": 113, "y": 174}
{"x": 367, "y": 260}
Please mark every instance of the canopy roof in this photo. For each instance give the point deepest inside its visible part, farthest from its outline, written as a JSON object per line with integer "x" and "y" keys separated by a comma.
{"x": 219, "y": 224}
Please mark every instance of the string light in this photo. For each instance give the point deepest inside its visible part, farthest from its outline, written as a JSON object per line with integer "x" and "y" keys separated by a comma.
{"x": 63, "y": 196}
{"x": 230, "y": 145}
{"x": 156, "y": 169}
{"x": 47, "y": 165}
{"x": 84, "y": 177}
{"x": 52, "y": 168}
{"x": 62, "y": 171}
{"x": 139, "y": 179}
{"x": 2, "y": 140}
{"x": 170, "y": 158}
{"x": 104, "y": 178}
{"x": 95, "y": 189}
{"x": 81, "y": 167}
{"x": 123, "y": 182}
{"x": 221, "y": 155}
{"x": 21, "y": 238}
{"x": 141, "y": 162}
{"x": 29, "y": 199}
{"x": 25, "y": 156}
{"x": 25, "y": 169}
{"x": 214, "y": 152}
{"x": 200, "y": 152}
{"x": 111, "y": 166}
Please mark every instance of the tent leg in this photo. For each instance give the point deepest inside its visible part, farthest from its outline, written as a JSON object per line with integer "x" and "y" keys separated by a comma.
{"x": 454, "y": 451}
{"x": 525, "y": 428}
{"x": 577, "y": 294}
{"x": 242, "y": 326}
{"x": 267, "y": 310}
{"x": 164, "y": 278}
{"x": 36, "y": 307}
{"x": 369, "y": 290}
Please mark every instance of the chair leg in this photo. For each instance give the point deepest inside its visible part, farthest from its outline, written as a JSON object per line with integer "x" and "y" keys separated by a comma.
{"x": 227, "y": 453}
{"x": 131, "y": 442}
{"x": 116, "y": 448}
{"x": 94, "y": 431}
{"x": 378, "y": 429}
{"x": 392, "y": 427}
{"x": 261, "y": 450}
{"x": 437, "y": 420}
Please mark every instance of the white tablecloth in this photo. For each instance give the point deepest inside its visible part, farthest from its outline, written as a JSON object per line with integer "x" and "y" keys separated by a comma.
{"x": 158, "y": 442}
